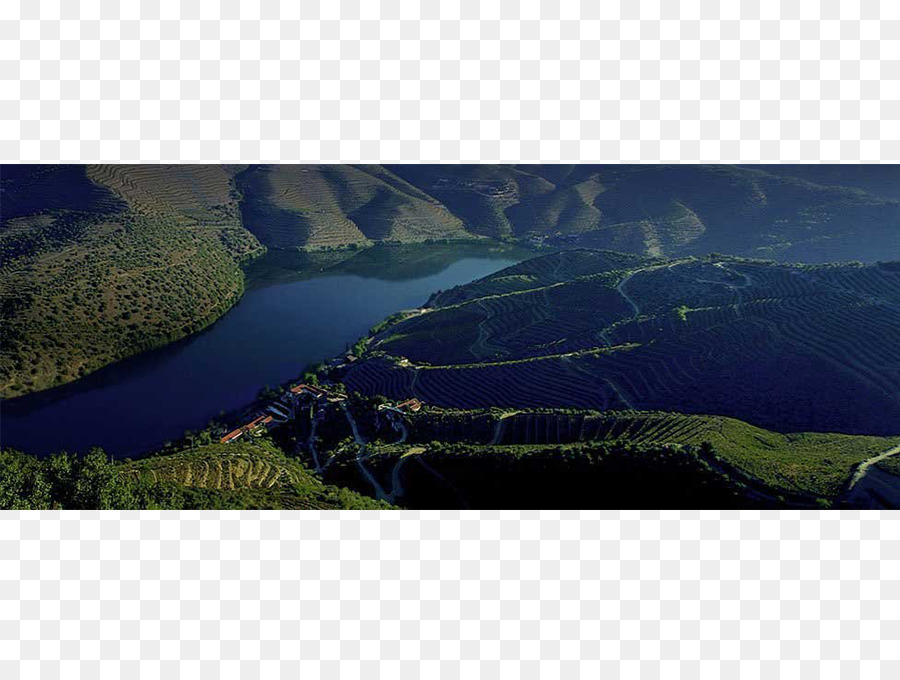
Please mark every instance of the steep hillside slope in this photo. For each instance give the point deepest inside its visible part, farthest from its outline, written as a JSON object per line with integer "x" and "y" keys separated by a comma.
{"x": 814, "y": 348}
{"x": 240, "y": 476}
{"x": 257, "y": 474}
{"x": 543, "y": 458}
{"x": 881, "y": 180}
{"x": 676, "y": 210}
{"x": 815, "y": 464}
{"x": 316, "y": 206}
{"x": 101, "y": 262}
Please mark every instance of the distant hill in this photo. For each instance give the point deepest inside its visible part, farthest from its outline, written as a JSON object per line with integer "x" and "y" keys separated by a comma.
{"x": 316, "y": 206}
{"x": 676, "y": 210}
{"x": 878, "y": 180}
{"x": 789, "y": 347}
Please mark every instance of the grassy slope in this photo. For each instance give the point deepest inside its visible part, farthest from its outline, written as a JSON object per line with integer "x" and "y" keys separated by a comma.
{"x": 257, "y": 473}
{"x": 88, "y": 282}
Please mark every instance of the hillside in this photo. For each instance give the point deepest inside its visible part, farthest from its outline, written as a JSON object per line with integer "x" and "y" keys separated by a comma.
{"x": 102, "y": 262}
{"x": 788, "y": 347}
{"x": 676, "y": 210}
{"x": 256, "y": 472}
{"x": 810, "y": 463}
{"x": 327, "y": 206}
{"x": 241, "y": 476}
{"x": 494, "y": 458}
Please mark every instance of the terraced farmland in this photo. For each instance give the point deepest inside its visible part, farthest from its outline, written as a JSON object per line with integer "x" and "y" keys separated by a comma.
{"x": 324, "y": 206}
{"x": 239, "y": 476}
{"x": 817, "y": 464}
{"x": 789, "y": 347}
{"x": 676, "y": 210}
{"x": 444, "y": 450}
{"x": 100, "y": 262}
{"x": 264, "y": 475}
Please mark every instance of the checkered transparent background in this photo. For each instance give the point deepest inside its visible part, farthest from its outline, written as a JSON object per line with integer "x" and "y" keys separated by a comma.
{"x": 472, "y": 80}
{"x": 447, "y": 595}
{"x": 412, "y": 595}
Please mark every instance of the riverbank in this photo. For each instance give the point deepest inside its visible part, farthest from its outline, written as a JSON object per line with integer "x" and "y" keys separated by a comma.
{"x": 270, "y": 335}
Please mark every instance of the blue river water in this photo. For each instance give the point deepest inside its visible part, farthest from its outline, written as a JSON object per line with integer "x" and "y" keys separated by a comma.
{"x": 269, "y": 337}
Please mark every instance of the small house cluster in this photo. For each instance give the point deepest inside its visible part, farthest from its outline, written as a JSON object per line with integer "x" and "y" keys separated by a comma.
{"x": 412, "y": 405}
{"x": 281, "y": 411}
{"x": 409, "y": 406}
{"x": 254, "y": 425}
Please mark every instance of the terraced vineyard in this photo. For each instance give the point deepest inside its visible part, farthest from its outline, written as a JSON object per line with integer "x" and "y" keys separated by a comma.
{"x": 326, "y": 206}
{"x": 265, "y": 477}
{"x": 677, "y": 210}
{"x": 454, "y": 458}
{"x": 246, "y": 475}
{"x": 789, "y": 347}
{"x": 815, "y": 464}
{"x": 101, "y": 262}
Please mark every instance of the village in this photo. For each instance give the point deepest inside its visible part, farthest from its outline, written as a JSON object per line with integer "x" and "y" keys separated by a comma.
{"x": 287, "y": 407}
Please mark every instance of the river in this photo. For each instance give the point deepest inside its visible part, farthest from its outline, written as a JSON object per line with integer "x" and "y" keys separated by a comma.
{"x": 298, "y": 309}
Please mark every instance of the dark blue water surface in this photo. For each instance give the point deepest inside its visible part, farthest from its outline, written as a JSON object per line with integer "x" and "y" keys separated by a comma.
{"x": 269, "y": 337}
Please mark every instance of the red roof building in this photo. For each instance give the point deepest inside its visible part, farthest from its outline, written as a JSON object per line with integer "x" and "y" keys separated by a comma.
{"x": 308, "y": 389}
{"x": 412, "y": 404}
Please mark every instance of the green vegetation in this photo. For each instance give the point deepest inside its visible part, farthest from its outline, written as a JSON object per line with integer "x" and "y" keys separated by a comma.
{"x": 676, "y": 210}
{"x": 323, "y": 206}
{"x": 240, "y": 476}
{"x": 786, "y": 347}
{"x": 586, "y": 459}
{"x": 815, "y": 464}
{"x": 101, "y": 262}
{"x": 154, "y": 258}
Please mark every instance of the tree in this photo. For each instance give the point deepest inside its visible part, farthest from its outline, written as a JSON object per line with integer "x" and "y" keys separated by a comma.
{"x": 23, "y": 485}
{"x": 99, "y": 486}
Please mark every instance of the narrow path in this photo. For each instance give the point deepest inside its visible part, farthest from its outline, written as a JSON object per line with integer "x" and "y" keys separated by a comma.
{"x": 396, "y": 484}
{"x": 479, "y": 348}
{"x": 619, "y": 394}
{"x": 311, "y": 443}
{"x": 621, "y": 288}
{"x": 625, "y": 279}
{"x": 361, "y": 454}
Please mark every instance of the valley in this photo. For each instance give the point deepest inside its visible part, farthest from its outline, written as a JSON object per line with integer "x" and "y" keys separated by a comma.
{"x": 103, "y": 262}
{"x": 449, "y": 337}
